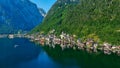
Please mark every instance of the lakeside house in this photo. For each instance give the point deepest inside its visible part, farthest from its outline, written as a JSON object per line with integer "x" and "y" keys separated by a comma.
{"x": 3, "y": 35}
{"x": 68, "y": 41}
{"x": 107, "y": 48}
{"x": 80, "y": 44}
{"x": 11, "y": 36}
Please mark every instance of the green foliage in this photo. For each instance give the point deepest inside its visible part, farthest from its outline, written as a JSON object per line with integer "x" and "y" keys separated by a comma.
{"x": 99, "y": 17}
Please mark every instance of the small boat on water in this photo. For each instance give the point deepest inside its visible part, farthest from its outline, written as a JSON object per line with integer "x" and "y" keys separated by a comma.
{"x": 15, "y": 46}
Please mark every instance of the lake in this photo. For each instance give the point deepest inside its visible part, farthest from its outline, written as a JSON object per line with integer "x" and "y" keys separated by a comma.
{"x": 21, "y": 53}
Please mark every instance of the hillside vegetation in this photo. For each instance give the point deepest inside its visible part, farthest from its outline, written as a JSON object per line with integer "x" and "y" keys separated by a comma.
{"x": 85, "y": 18}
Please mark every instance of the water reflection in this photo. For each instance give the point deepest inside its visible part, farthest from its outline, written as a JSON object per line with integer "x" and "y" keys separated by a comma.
{"x": 21, "y": 53}
{"x": 10, "y": 56}
{"x": 82, "y": 59}
{"x": 29, "y": 55}
{"x": 42, "y": 61}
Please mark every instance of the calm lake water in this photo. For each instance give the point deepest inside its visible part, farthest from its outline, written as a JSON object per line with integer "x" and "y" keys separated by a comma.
{"x": 21, "y": 53}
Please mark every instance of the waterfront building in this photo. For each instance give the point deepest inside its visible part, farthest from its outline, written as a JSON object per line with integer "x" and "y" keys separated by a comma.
{"x": 11, "y": 36}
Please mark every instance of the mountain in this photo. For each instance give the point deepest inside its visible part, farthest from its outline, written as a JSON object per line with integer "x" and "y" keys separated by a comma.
{"x": 97, "y": 19}
{"x": 18, "y": 15}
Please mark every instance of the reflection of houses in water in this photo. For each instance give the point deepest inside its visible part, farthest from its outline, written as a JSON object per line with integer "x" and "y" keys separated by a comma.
{"x": 69, "y": 41}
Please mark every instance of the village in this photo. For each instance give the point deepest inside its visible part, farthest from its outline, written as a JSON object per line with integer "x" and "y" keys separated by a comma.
{"x": 68, "y": 41}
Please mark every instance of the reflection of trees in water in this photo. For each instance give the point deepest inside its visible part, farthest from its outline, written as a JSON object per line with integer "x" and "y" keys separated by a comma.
{"x": 82, "y": 58}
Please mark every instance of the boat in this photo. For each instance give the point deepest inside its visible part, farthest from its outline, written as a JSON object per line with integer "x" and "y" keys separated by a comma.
{"x": 15, "y": 46}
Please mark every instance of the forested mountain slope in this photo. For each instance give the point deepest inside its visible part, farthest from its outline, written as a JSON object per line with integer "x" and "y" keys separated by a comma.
{"x": 99, "y": 19}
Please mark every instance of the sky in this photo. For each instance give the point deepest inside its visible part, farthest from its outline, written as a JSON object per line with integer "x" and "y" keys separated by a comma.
{"x": 45, "y": 4}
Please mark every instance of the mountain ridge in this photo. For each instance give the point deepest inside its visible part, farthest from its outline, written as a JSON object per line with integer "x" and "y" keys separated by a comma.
{"x": 18, "y": 15}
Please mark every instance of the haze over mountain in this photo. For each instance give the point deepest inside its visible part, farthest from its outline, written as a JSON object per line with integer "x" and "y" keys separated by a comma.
{"x": 42, "y": 12}
{"x": 18, "y": 15}
{"x": 97, "y": 19}
{"x": 45, "y": 4}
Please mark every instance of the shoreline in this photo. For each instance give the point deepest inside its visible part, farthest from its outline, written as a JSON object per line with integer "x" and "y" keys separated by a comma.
{"x": 66, "y": 41}
{"x": 11, "y": 36}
